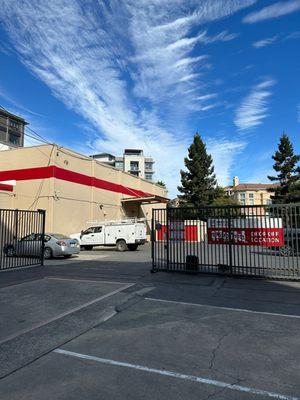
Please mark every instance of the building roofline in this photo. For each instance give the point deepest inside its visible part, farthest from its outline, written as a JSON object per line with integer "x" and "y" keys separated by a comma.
{"x": 87, "y": 158}
{"x": 9, "y": 114}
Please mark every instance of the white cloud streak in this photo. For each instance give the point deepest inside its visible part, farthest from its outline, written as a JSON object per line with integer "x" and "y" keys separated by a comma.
{"x": 126, "y": 67}
{"x": 224, "y": 153}
{"x": 275, "y": 10}
{"x": 265, "y": 42}
{"x": 276, "y": 39}
{"x": 253, "y": 109}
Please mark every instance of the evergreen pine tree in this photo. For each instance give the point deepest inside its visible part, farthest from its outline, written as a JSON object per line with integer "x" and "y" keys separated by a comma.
{"x": 288, "y": 173}
{"x": 198, "y": 183}
{"x": 222, "y": 199}
{"x": 161, "y": 183}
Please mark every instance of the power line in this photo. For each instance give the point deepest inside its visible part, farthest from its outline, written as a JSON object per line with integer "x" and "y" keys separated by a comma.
{"x": 37, "y": 136}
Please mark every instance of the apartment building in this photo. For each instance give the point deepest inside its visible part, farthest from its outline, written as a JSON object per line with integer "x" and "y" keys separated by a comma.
{"x": 11, "y": 130}
{"x": 133, "y": 161}
{"x": 249, "y": 194}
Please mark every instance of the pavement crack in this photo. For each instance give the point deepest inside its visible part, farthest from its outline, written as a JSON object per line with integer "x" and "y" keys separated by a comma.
{"x": 215, "y": 350}
{"x": 217, "y": 392}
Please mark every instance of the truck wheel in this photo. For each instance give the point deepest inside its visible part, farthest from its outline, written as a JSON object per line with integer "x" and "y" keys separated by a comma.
{"x": 88, "y": 247}
{"x": 121, "y": 245}
{"x": 286, "y": 251}
{"x": 133, "y": 247}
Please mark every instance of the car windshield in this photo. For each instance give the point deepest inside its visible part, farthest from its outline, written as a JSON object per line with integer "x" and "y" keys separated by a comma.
{"x": 59, "y": 236}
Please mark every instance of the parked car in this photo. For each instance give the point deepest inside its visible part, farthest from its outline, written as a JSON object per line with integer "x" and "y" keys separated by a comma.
{"x": 55, "y": 245}
{"x": 291, "y": 242}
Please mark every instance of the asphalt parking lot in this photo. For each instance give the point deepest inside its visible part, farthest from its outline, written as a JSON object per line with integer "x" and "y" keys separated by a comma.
{"x": 104, "y": 327}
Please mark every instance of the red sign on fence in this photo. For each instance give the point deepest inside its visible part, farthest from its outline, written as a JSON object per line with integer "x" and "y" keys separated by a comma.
{"x": 253, "y": 232}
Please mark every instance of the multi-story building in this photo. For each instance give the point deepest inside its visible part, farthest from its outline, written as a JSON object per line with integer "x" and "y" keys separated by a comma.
{"x": 11, "y": 130}
{"x": 133, "y": 161}
{"x": 249, "y": 194}
{"x": 75, "y": 190}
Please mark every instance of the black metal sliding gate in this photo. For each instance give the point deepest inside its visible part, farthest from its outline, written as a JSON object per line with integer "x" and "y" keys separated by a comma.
{"x": 258, "y": 241}
{"x": 21, "y": 238}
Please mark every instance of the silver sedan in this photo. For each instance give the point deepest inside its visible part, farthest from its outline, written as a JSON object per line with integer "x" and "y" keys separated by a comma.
{"x": 55, "y": 245}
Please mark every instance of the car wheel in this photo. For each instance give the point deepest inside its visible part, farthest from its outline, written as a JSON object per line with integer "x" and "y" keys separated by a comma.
{"x": 47, "y": 253}
{"x": 10, "y": 251}
{"x": 133, "y": 247}
{"x": 121, "y": 245}
{"x": 286, "y": 251}
{"x": 88, "y": 247}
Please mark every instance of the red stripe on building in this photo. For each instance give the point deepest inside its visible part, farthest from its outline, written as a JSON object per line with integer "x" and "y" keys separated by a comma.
{"x": 7, "y": 188}
{"x": 70, "y": 176}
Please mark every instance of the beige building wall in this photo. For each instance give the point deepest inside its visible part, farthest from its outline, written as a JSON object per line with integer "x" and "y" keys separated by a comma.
{"x": 253, "y": 197}
{"x": 71, "y": 207}
{"x": 139, "y": 159}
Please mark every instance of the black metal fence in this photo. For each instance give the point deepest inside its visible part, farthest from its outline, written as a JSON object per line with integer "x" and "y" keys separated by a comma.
{"x": 21, "y": 238}
{"x": 258, "y": 241}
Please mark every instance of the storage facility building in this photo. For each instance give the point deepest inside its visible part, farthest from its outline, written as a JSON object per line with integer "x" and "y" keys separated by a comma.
{"x": 75, "y": 190}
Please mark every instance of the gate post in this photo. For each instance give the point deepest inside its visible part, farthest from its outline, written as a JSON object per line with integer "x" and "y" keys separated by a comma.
{"x": 16, "y": 231}
{"x": 167, "y": 233}
{"x": 152, "y": 237}
{"x": 230, "y": 241}
{"x": 43, "y": 214}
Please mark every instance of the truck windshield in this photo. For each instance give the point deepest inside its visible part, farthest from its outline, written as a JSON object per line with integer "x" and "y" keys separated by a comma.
{"x": 89, "y": 230}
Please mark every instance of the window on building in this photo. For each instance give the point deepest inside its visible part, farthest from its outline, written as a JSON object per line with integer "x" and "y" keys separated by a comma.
{"x": 134, "y": 166}
{"x": 148, "y": 177}
{"x": 119, "y": 165}
{"x": 242, "y": 198}
{"x": 135, "y": 173}
{"x": 14, "y": 139}
{"x": 14, "y": 125}
{"x": 148, "y": 165}
{"x": 269, "y": 201}
{"x": 251, "y": 199}
{"x": 2, "y": 136}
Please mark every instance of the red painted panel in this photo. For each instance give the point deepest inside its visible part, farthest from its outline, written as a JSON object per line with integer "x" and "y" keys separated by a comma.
{"x": 162, "y": 233}
{"x": 7, "y": 188}
{"x": 69, "y": 176}
{"x": 191, "y": 233}
{"x": 247, "y": 236}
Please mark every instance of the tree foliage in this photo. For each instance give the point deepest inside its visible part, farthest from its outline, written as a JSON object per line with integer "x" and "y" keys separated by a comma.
{"x": 198, "y": 183}
{"x": 222, "y": 199}
{"x": 288, "y": 173}
{"x": 161, "y": 183}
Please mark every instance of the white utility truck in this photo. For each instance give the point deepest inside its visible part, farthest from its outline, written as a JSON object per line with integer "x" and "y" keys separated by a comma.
{"x": 126, "y": 234}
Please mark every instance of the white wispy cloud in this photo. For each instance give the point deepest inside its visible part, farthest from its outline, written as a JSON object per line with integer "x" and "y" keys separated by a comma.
{"x": 254, "y": 107}
{"x": 283, "y": 37}
{"x": 275, "y": 10}
{"x": 20, "y": 108}
{"x": 265, "y": 42}
{"x": 224, "y": 153}
{"x": 125, "y": 67}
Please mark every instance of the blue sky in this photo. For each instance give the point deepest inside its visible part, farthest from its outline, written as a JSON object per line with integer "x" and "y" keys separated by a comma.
{"x": 105, "y": 75}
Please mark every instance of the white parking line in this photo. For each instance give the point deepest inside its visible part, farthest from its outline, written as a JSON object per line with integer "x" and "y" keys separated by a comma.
{"x": 178, "y": 375}
{"x": 58, "y": 278}
{"x": 224, "y": 308}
